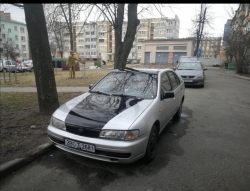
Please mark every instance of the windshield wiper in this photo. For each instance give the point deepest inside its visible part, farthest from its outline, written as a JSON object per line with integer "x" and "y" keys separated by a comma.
{"x": 190, "y": 69}
{"x": 98, "y": 92}
{"x": 124, "y": 95}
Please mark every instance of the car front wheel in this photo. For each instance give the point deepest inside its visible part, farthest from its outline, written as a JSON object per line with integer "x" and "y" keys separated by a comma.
{"x": 152, "y": 144}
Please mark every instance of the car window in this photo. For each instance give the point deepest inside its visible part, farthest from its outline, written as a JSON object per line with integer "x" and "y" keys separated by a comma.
{"x": 189, "y": 66}
{"x": 128, "y": 83}
{"x": 165, "y": 83}
{"x": 173, "y": 80}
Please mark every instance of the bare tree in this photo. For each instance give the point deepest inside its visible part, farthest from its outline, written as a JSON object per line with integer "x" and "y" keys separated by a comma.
{"x": 40, "y": 50}
{"x": 238, "y": 50}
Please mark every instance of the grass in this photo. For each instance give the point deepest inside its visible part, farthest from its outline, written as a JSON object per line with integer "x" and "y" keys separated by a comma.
{"x": 27, "y": 79}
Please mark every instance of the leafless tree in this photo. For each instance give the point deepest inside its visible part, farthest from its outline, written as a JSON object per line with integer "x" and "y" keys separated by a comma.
{"x": 238, "y": 51}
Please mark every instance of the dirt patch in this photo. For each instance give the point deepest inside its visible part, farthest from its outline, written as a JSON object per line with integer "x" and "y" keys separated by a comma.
{"x": 23, "y": 128}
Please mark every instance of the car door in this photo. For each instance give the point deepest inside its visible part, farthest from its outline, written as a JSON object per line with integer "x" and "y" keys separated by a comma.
{"x": 177, "y": 88}
{"x": 8, "y": 65}
{"x": 13, "y": 65}
{"x": 166, "y": 105}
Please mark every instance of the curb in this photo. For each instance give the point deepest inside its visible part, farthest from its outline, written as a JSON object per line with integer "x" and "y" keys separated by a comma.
{"x": 237, "y": 76}
{"x": 11, "y": 166}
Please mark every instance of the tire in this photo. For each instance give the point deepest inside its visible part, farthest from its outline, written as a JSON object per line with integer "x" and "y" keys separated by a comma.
{"x": 177, "y": 115}
{"x": 152, "y": 144}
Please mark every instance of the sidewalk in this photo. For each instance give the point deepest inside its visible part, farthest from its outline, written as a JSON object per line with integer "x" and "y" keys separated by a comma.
{"x": 234, "y": 74}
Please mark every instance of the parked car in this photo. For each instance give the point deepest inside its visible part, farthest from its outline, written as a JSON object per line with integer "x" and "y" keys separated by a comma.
{"x": 191, "y": 72}
{"x": 26, "y": 66}
{"x": 7, "y": 66}
{"x": 121, "y": 117}
{"x": 216, "y": 65}
{"x": 133, "y": 61}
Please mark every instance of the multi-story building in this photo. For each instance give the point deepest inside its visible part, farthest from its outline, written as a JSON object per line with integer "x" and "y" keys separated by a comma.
{"x": 97, "y": 39}
{"x": 15, "y": 33}
{"x": 227, "y": 31}
{"x": 241, "y": 19}
{"x": 210, "y": 47}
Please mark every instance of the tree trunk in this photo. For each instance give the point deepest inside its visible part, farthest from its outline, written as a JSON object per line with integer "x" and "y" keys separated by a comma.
{"x": 70, "y": 29}
{"x": 122, "y": 49}
{"x": 40, "y": 51}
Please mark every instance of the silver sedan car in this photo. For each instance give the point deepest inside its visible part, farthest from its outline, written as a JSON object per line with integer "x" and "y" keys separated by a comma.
{"x": 121, "y": 117}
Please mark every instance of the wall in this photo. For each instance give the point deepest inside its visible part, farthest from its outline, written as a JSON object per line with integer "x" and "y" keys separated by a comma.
{"x": 211, "y": 61}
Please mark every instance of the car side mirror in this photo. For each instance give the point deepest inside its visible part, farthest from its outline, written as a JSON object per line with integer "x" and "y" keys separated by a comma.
{"x": 205, "y": 69}
{"x": 168, "y": 95}
{"x": 91, "y": 85}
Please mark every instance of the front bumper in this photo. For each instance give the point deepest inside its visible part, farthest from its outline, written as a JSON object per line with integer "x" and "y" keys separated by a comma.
{"x": 105, "y": 150}
{"x": 194, "y": 82}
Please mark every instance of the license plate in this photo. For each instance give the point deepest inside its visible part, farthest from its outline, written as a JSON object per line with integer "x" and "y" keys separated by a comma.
{"x": 188, "y": 80}
{"x": 80, "y": 146}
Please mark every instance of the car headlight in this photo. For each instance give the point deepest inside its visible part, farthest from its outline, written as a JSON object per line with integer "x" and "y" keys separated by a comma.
{"x": 119, "y": 135}
{"x": 57, "y": 123}
{"x": 199, "y": 76}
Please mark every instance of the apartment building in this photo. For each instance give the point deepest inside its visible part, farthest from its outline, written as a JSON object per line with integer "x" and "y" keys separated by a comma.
{"x": 94, "y": 40}
{"x": 227, "y": 31}
{"x": 241, "y": 19}
{"x": 210, "y": 47}
{"x": 15, "y": 33}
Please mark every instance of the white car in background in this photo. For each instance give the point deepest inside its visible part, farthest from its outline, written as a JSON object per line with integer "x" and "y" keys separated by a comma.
{"x": 26, "y": 66}
{"x": 8, "y": 66}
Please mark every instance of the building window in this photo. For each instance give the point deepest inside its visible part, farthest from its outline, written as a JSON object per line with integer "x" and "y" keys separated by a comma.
{"x": 101, "y": 40}
{"x": 9, "y": 30}
{"x": 3, "y": 36}
{"x": 160, "y": 24}
{"x": 87, "y": 33}
{"x": 93, "y": 53}
{"x": 141, "y": 32}
{"x": 87, "y": 53}
{"x": 81, "y": 47}
{"x": 87, "y": 39}
{"x": 180, "y": 47}
{"x": 24, "y": 55}
{"x": 2, "y": 26}
{"x": 169, "y": 30}
{"x": 140, "y": 39}
{"x": 81, "y": 40}
{"x": 93, "y": 33}
{"x": 22, "y": 38}
{"x": 101, "y": 47}
{"x": 16, "y": 37}
{"x": 22, "y": 30}
{"x": 93, "y": 39}
{"x": 139, "y": 54}
{"x": 162, "y": 48}
{"x": 87, "y": 46}
{"x": 17, "y": 46}
{"x": 142, "y": 24}
{"x": 10, "y": 39}
{"x": 160, "y": 31}
{"x": 101, "y": 33}
{"x": 139, "y": 47}
{"x": 100, "y": 54}
{"x": 93, "y": 46}
{"x": 24, "y": 47}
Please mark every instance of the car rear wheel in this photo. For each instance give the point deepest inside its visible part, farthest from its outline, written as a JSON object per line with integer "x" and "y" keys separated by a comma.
{"x": 177, "y": 115}
{"x": 152, "y": 144}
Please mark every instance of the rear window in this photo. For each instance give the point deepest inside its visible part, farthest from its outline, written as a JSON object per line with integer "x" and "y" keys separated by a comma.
{"x": 189, "y": 66}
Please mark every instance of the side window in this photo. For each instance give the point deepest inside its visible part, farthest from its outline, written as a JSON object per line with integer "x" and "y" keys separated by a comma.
{"x": 7, "y": 62}
{"x": 173, "y": 80}
{"x": 177, "y": 79}
{"x": 165, "y": 83}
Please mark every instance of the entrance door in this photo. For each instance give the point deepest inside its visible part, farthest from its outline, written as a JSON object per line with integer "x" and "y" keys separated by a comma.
{"x": 147, "y": 57}
{"x": 161, "y": 57}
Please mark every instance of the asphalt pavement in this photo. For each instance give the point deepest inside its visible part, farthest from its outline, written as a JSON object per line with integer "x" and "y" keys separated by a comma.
{"x": 15, "y": 164}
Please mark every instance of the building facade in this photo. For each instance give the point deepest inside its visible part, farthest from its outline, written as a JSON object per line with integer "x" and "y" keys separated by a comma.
{"x": 210, "y": 47}
{"x": 166, "y": 50}
{"x": 94, "y": 40}
{"x": 15, "y": 33}
{"x": 227, "y": 31}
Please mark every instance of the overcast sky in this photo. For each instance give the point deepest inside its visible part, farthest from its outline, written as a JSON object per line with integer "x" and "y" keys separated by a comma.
{"x": 185, "y": 12}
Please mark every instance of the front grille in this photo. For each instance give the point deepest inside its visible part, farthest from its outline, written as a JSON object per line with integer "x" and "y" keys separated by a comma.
{"x": 83, "y": 131}
{"x": 185, "y": 77}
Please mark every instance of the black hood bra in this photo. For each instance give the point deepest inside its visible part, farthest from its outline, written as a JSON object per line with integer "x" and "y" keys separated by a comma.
{"x": 97, "y": 109}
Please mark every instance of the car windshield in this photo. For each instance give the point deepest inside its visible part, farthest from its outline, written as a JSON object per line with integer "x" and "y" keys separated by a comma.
{"x": 189, "y": 66}
{"x": 131, "y": 84}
